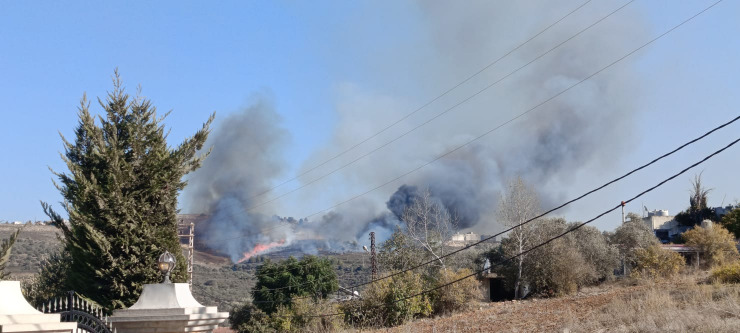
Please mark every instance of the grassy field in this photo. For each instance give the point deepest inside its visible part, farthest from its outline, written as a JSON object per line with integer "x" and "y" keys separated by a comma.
{"x": 687, "y": 304}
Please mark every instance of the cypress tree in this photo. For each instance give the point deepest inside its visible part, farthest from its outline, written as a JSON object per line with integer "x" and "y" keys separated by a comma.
{"x": 121, "y": 198}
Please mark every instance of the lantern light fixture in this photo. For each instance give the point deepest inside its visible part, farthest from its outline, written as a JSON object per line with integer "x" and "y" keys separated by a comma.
{"x": 166, "y": 264}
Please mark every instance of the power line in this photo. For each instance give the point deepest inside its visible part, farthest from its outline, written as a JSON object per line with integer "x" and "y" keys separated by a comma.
{"x": 563, "y": 205}
{"x": 582, "y": 224}
{"x": 470, "y": 141}
{"x": 572, "y": 229}
{"x": 443, "y": 112}
{"x": 602, "y": 214}
{"x": 426, "y": 104}
{"x": 558, "y": 207}
{"x": 655, "y": 160}
{"x": 529, "y": 110}
{"x": 500, "y": 125}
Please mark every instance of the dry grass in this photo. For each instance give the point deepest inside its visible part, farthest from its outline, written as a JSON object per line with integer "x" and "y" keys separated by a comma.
{"x": 678, "y": 305}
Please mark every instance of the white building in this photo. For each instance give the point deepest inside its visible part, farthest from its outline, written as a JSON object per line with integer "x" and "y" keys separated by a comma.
{"x": 663, "y": 225}
{"x": 459, "y": 239}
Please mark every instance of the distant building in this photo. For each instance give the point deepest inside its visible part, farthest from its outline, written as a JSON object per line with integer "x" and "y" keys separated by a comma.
{"x": 459, "y": 239}
{"x": 664, "y": 225}
{"x": 722, "y": 211}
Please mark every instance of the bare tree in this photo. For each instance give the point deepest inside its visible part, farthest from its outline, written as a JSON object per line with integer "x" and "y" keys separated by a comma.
{"x": 518, "y": 204}
{"x": 429, "y": 224}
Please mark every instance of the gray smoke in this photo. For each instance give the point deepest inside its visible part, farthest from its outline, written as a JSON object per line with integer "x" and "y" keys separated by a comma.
{"x": 443, "y": 43}
{"x": 585, "y": 127}
{"x": 245, "y": 158}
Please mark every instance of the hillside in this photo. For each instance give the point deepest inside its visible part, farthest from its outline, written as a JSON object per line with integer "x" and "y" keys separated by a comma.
{"x": 34, "y": 242}
{"x": 216, "y": 279}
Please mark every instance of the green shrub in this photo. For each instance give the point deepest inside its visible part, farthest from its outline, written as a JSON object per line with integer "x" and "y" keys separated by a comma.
{"x": 456, "y": 296}
{"x": 302, "y": 316}
{"x": 278, "y": 283}
{"x": 727, "y": 273}
{"x": 379, "y": 305}
{"x": 654, "y": 261}
{"x": 248, "y": 318}
{"x": 306, "y": 316}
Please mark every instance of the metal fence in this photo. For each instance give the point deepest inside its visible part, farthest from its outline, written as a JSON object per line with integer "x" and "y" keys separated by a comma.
{"x": 73, "y": 308}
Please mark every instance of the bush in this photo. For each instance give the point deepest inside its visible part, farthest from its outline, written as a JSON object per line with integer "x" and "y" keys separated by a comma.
{"x": 301, "y": 316}
{"x": 654, "y": 261}
{"x": 278, "y": 283}
{"x": 305, "y": 316}
{"x": 632, "y": 235}
{"x": 716, "y": 244}
{"x": 580, "y": 258}
{"x": 379, "y": 306}
{"x": 731, "y": 221}
{"x": 558, "y": 268}
{"x": 248, "y": 318}
{"x": 457, "y": 295}
{"x": 50, "y": 282}
{"x": 727, "y": 273}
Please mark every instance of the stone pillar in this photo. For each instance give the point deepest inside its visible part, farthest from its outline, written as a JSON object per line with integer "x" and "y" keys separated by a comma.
{"x": 167, "y": 308}
{"x": 17, "y": 316}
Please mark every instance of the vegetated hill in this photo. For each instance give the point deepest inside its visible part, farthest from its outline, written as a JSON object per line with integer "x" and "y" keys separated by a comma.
{"x": 668, "y": 306}
{"x": 231, "y": 285}
{"x": 216, "y": 280}
{"x": 34, "y": 242}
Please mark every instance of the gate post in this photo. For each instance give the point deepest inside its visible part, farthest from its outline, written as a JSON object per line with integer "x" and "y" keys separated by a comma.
{"x": 16, "y": 315}
{"x": 167, "y": 308}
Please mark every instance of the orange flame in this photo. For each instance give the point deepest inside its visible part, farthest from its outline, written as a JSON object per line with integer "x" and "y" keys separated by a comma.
{"x": 260, "y": 248}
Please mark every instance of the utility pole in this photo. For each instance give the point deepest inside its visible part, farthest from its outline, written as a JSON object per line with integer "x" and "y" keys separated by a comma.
{"x": 372, "y": 255}
{"x": 191, "y": 246}
{"x": 623, "y": 203}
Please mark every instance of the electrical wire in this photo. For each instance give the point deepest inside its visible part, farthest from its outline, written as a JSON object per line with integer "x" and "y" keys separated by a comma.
{"x": 655, "y": 160}
{"x": 556, "y": 208}
{"x": 495, "y": 128}
{"x": 572, "y": 229}
{"x": 406, "y": 116}
{"x": 443, "y": 112}
{"x": 601, "y": 187}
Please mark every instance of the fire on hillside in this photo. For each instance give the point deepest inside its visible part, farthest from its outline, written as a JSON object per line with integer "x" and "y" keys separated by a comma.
{"x": 260, "y": 248}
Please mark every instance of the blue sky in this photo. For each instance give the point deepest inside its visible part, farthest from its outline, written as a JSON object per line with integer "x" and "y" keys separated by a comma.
{"x": 197, "y": 58}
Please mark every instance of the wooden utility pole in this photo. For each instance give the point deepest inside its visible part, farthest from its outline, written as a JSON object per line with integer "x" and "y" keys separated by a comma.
{"x": 372, "y": 255}
{"x": 623, "y": 203}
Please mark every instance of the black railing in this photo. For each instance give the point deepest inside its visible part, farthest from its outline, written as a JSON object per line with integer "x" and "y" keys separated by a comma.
{"x": 74, "y": 308}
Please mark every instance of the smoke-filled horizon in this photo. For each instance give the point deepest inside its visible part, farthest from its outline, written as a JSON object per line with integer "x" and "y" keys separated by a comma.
{"x": 449, "y": 42}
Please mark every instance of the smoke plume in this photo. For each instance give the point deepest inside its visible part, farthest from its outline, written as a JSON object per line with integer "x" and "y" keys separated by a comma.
{"x": 442, "y": 44}
{"x": 245, "y": 157}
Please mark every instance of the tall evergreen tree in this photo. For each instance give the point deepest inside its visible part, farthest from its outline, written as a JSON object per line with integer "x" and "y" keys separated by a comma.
{"x": 121, "y": 198}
